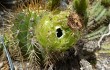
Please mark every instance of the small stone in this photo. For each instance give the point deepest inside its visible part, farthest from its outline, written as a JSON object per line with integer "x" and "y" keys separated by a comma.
{"x": 85, "y": 65}
{"x": 90, "y": 46}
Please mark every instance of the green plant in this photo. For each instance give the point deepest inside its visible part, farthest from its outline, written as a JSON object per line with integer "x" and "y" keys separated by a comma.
{"x": 98, "y": 19}
{"x": 53, "y": 33}
{"x": 106, "y": 3}
{"x": 21, "y": 29}
{"x": 80, "y": 6}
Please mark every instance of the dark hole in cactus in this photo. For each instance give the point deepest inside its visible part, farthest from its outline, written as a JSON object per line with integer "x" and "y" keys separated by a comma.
{"x": 59, "y": 32}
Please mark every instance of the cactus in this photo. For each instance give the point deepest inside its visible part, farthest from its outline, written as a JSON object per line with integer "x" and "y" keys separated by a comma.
{"x": 56, "y": 30}
{"x": 23, "y": 29}
{"x": 53, "y": 33}
{"x": 106, "y": 3}
{"x": 81, "y": 6}
{"x": 98, "y": 19}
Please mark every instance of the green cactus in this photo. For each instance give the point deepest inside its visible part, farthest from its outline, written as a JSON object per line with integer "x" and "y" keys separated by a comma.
{"x": 23, "y": 29}
{"x": 81, "y": 6}
{"x": 53, "y": 33}
{"x": 106, "y": 3}
{"x": 98, "y": 19}
{"x": 55, "y": 4}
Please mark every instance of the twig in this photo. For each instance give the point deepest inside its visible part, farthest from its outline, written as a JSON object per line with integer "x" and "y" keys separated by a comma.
{"x": 104, "y": 35}
{"x": 7, "y": 53}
